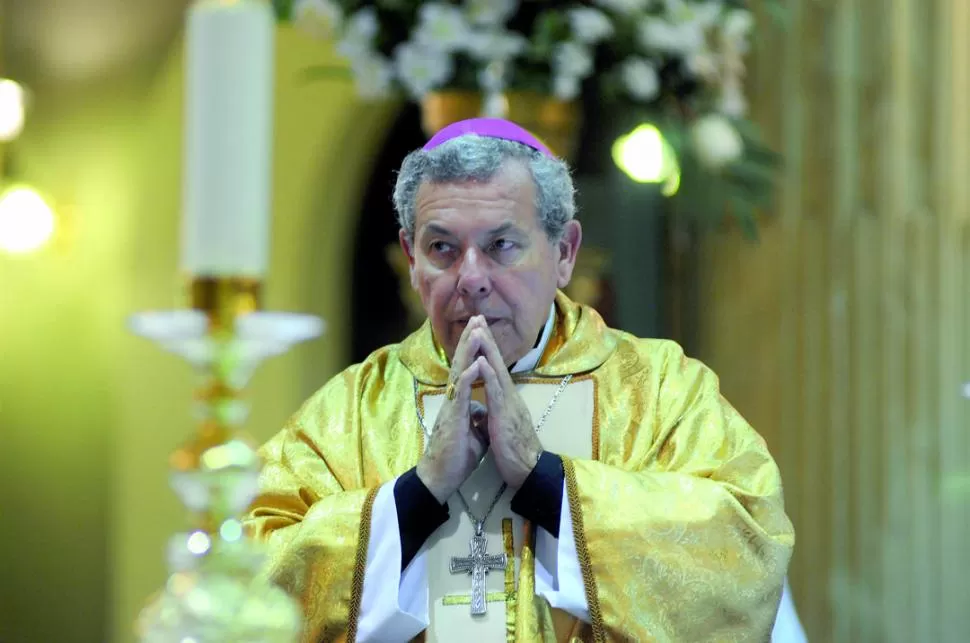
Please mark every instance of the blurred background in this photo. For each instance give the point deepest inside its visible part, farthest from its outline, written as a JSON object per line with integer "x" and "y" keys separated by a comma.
{"x": 842, "y": 333}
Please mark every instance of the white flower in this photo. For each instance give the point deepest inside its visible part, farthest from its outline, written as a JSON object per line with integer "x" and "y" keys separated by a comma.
{"x": 735, "y": 30}
{"x": 421, "y": 69}
{"x": 492, "y": 77}
{"x": 716, "y": 142}
{"x": 357, "y": 36}
{"x": 572, "y": 59}
{"x": 640, "y": 78}
{"x": 490, "y": 12}
{"x": 373, "y": 75}
{"x": 495, "y": 105}
{"x": 704, "y": 13}
{"x": 682, "y": 29}
{"x": 565, "y": 87}
{"x": 703, "y": 64}
{"x": 319, "y": 18}
{"x": 659, "y": 34}
{"x": 737, "y": 24}
{"x": 732, "y": 102}
{"x": 442, "y": 27}
{"x": 495, "y": 45}
{"x": 626, "y": 7}
{"x": 362, "y": 24}
{"x": 590, "y": 25}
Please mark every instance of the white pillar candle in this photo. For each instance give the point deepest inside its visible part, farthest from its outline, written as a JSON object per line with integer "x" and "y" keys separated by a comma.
{"x": 228, "y": 138}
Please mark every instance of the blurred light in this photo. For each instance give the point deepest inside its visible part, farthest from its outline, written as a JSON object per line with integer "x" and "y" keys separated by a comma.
{"x": 647, "y": 158}
{"x": 26, "y": 221}
{"x": 198, "y": 543}
{"x": 12, "y": 109}
{"x": 234, "y": 453}
{"x": 179, "y": 583}
{"x": 231, "y": 530}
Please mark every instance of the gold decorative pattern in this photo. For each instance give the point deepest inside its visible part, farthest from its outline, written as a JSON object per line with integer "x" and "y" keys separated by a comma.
{"x": 508, "y": 541}
{"x": 360, "y": 563}
{"x": 582, "y": 552}
{"x": 466, "y": 599}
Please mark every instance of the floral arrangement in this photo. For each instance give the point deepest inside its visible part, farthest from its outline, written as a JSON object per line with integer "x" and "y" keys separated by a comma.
{"x": 676, "y": 63}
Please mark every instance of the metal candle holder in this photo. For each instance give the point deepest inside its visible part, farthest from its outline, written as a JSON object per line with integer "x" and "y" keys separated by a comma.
{"x": 214, "y": 591}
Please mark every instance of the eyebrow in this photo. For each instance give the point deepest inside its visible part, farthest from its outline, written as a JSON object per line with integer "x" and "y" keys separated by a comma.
{"x": 505, "y": 228}
{"x": 434, "y": 228}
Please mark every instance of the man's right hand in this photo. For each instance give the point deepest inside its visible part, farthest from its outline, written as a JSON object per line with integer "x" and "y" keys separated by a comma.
{"x": 459, "y": 439}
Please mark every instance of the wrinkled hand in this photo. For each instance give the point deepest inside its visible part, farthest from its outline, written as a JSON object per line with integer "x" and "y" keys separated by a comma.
{"x": 514, "y": 441}
{"x": 459, "y": 440}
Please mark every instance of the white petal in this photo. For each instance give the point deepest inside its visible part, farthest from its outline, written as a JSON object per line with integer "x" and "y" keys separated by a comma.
{"x": 565, "y": 87}
{"x": 716, "y": 142}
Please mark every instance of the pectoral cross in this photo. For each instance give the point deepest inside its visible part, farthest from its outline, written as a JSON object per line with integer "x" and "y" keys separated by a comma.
{"x": 478, "y": 564}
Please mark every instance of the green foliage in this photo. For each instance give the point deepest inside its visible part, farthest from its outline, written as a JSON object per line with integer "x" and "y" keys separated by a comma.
{"x": 283, "y": 10}
{"x": 740, "y": 190}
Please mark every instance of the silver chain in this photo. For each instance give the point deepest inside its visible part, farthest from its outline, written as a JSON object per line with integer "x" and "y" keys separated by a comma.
{"x": 480, "y": 523}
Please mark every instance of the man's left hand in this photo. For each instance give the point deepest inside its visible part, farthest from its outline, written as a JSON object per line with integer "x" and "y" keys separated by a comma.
{"x": 512, "y": 434}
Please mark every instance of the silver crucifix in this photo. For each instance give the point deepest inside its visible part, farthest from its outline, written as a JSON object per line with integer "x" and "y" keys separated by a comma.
{"x": 478, "y": 564}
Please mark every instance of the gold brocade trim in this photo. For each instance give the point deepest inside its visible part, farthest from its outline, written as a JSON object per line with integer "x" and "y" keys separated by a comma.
{"x": 422, "y": 436}
{"x": 360, "y": 563}
{"x": 582, "y": 552}
{"x": 466, "y": 599}
{"x": 530, "y": 378}
{"x": 223, "y": 299}
{"x": 509, "y": 544}
{"x": 595, "y": 451}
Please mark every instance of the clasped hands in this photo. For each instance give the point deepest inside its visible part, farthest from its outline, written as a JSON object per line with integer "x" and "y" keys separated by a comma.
{"x": 465, "y": 429}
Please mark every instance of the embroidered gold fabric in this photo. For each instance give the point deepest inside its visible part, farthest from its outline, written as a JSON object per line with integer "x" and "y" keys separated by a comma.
{"x": 679, "y": 519}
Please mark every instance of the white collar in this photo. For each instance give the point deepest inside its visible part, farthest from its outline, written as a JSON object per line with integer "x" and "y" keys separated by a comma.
{"x": 531, "y": 359}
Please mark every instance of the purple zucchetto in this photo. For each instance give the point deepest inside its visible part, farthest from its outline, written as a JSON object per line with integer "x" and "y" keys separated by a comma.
{"x": 491, "y": 127}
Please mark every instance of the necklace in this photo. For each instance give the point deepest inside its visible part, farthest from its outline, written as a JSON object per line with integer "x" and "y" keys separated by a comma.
{"x": 479, "y": 562}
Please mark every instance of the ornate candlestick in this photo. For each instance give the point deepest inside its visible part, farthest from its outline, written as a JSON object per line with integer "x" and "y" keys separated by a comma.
{"x": 215, "y": 592}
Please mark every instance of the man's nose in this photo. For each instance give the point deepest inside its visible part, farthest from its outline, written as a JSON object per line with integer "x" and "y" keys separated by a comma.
{"x": 473, "y": 277}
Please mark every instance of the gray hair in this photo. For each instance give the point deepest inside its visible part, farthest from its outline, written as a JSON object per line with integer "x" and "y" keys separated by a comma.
{"x": 471, "y": 157}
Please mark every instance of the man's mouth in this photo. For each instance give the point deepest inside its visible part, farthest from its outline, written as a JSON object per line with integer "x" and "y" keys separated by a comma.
{"x": 491, "y": 321}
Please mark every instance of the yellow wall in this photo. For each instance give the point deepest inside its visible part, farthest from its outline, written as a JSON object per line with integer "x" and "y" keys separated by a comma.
{"x": 89, "y": 413}
{"x": 843, "y": 336}
{"x": 60, "y": 346}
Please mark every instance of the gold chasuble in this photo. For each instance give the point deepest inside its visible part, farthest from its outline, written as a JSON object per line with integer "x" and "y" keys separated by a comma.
{"x": 676, "y": 506}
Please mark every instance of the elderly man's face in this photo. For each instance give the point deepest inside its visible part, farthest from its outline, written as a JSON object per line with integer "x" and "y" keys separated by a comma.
{"x": 479, "y": 249}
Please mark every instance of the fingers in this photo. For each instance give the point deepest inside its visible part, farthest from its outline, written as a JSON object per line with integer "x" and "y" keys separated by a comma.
{"x": 493, "y": 387}
{"x": 463, "y": 390}
{"x": 468, "y": 345}
{"x": 494, "y": 356}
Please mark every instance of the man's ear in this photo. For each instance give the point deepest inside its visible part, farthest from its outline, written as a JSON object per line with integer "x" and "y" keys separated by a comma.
{"x": 569, "y": 243}
{"x": 408, "y": 248}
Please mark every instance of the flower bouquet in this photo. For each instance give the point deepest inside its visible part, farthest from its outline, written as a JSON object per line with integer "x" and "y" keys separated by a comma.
{"x": 677, "y": 64}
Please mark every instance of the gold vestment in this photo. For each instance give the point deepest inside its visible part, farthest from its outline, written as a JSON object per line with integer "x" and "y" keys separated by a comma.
{"x": 678, "y": 516}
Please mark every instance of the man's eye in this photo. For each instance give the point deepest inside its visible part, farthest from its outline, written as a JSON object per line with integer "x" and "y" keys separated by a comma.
{"x": 503, "y": 244}
{"x": 438, "y": 247}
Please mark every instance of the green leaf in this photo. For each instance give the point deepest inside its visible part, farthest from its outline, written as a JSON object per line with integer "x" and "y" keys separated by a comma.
{"x": 550, "y": 28}
{"x": 779, "y": 14}
{"x": 749, "y": 227}
{"x": 283, "y": 10}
